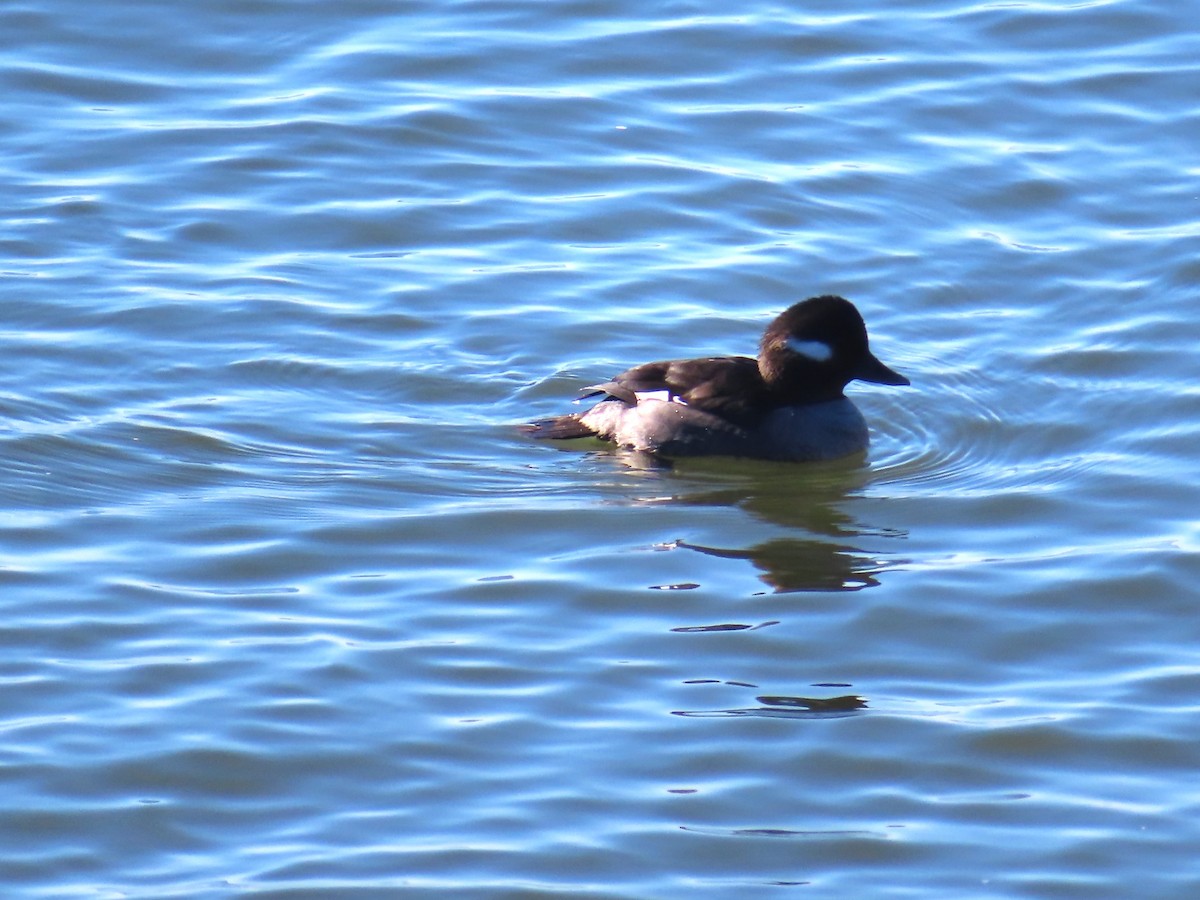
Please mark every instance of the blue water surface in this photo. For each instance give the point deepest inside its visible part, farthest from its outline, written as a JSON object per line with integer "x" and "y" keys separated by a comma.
{"x": 290, "y": 608}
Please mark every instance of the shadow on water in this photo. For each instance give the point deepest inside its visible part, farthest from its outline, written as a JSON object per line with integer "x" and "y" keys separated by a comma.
{"x": 797, "y": 564}
{"x": 779, "y": 707}
{"x": 824, "y": 548}
{"x": 822, "y": 545}
{"x": 816, "y": 541}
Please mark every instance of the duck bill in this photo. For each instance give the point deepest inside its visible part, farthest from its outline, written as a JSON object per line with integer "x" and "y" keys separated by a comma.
{"x": 874, "y": 371}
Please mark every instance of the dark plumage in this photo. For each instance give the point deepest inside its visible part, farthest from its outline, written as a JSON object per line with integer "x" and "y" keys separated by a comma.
{"x": 786, "y": 404}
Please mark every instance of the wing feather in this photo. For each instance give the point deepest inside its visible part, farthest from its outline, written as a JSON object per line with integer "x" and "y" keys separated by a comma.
{"x": 727, "y": 386}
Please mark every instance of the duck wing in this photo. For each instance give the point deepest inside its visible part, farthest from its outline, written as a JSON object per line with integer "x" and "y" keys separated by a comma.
{"x": 726, "y": 386}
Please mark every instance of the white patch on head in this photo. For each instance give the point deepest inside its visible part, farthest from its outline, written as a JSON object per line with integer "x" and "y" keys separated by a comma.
{"x": 817, "y": 351}
{"x": 664, "y": 395}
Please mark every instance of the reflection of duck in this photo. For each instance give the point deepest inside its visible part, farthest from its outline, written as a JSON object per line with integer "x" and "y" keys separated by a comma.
{"x": 824, "y": 545}
{"x": 786, "y": 405}
{"x": 791, "y": 564}
{"x": 788, "y": 708}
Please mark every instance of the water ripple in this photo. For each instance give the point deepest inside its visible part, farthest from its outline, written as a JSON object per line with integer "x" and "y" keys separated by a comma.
{"x": 287, "y": 605}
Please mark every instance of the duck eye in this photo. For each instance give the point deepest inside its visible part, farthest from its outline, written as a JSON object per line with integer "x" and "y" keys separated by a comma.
{"x": 817, "y": 351}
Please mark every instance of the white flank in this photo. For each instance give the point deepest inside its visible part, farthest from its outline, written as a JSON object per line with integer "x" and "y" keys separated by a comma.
{"x": 817, "y": 351}
{"x": 664, "y": 395}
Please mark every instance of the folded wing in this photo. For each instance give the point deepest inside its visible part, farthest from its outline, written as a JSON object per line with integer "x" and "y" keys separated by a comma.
{"x": 727, "y": 386}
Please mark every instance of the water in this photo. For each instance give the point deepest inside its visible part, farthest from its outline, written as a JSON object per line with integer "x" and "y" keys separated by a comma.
{"x": 289, "y": 609}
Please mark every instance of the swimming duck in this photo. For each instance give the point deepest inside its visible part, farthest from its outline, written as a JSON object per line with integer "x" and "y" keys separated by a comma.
{"x": 788, "y": 404}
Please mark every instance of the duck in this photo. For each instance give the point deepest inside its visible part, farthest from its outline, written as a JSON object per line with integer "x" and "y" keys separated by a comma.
{"x": 788, "y": 404}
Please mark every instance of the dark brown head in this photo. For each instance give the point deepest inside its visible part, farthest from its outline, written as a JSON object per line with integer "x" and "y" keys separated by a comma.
{"x": 815, "y": 348}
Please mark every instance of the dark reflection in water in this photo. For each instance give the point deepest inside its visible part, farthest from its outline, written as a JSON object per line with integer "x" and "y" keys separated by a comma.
{"x": 788, "y": 708}
{"x": 826, "y": 548}
{"x": 780, "y": 832}
{"x": 726, "y": 626}
{"x": 797, "y": 564}
{"x": 829, "y": 555}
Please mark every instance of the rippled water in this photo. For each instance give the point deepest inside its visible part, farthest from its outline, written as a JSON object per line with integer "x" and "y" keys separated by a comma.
{"x": 290, "y": 609}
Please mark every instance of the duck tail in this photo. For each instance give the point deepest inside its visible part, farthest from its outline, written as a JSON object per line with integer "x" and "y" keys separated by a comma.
{"x": 557, "y": 428}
